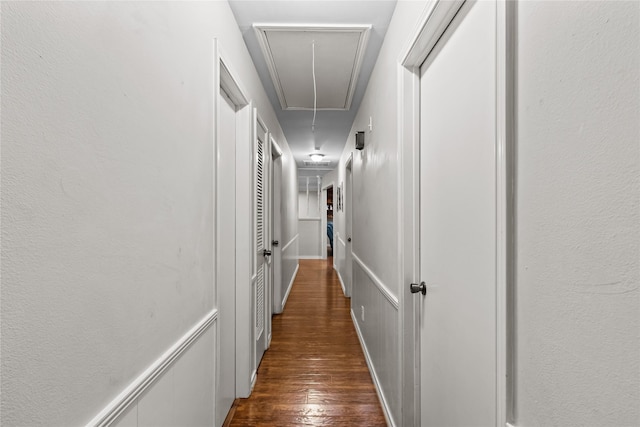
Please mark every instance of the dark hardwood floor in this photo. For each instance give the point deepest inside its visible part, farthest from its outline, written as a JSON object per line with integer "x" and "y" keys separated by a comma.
{"x": 314, "y": 373}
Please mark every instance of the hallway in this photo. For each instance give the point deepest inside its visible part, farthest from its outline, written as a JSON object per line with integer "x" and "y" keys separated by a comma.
{"x": 166, "y": 164}
{"x": 314, "y": 373}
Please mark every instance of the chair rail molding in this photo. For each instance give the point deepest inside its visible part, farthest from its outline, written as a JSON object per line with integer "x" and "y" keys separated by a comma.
{"x": 376, "y": 280}
{"x": 129, "y": 395}
{"x": 285, "y": 247}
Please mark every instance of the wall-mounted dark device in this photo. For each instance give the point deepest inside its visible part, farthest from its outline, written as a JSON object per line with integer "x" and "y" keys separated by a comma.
{"x": 359, "y": 140}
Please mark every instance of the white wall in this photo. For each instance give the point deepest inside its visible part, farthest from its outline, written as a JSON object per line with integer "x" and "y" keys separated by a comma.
{"x": 375, "y": 222}
{"x": 578, "y": 214}
{"x": 309, "y": 242}
{"x": 330, "y": 177}
{"x": 107, "y": 197}
{"x": 180, "y": 396}
{"x": 308, "y": 204}
{"x": 309, "y": 225}
{"x": 289, "y": 239}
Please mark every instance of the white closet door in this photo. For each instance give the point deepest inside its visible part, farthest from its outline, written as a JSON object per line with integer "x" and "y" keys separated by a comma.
{"x": 458, "y": 222}
{"x": 261, "y": 245}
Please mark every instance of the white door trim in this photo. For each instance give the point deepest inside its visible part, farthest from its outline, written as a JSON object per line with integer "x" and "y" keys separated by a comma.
{"x": 229, "y": 82}
{"x": 276, "y": 230}
{"x": 505, "y": 202}
{"x": 434, "y": 21}
{"x": 322, "y": 208}
{"x": 347, "y": 209}
{"x": 325, "y": 188}
{"x": 226, "y": 79}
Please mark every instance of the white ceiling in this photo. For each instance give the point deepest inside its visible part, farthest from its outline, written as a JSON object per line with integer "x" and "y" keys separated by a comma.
{"x": 339, "y": 79}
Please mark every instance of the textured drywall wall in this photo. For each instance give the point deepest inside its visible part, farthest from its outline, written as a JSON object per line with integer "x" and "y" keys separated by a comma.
{"x": 375, "y": 204}
{"x": 308, "y": 204}
{"x": 578, "y": 214}
{"x": 289, "y": 222}
{"x": 107, "y": 183}
{"x": 309, "y": 241}
{"x": 106, "y": 198}
{"x": 330, "y": 177}
{"x": 375, "y": 173}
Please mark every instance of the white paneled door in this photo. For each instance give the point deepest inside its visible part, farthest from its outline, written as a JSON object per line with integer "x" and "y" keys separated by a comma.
{"x": 458, "y": 217}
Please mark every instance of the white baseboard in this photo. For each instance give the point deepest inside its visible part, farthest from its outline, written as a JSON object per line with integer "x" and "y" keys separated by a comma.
{"x": 344, "y": 290}
{"x": 310, "y": 257}
{"x": 293, "y": 278}
{"x": 374, "y": 375}
{"x": 129, "y": 395}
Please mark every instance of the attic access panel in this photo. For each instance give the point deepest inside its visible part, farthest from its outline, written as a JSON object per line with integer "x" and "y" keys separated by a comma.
{"x": 339, "y": 51}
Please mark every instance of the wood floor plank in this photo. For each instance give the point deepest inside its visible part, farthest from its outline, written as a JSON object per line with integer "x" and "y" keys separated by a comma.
{"x": 314, "y": 373}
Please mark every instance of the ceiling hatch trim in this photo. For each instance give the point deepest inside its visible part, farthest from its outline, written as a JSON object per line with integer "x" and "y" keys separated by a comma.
{"x": 263, "y": 33}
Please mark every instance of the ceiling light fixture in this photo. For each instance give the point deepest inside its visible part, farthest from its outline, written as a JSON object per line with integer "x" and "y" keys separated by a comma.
{"x": 316, "y": 157}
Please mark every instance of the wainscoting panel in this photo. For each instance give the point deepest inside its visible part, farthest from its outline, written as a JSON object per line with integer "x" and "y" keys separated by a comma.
{"x": 193, "y": 383}
{"x": 155, "y": 406}
{"x": 379, "y": 333}
{"x": 310, "y": 238}
{"x": 178, "y": 389}
{"x": 376, "y": 281}
{"x": 129, "y": 418}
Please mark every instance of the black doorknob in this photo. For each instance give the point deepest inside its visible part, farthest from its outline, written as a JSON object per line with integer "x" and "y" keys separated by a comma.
{"x": 266, "y": 252}
{"x": 415, "y": 288}
{"x": 349, "y": 239}
{"x": 275, "y": 243}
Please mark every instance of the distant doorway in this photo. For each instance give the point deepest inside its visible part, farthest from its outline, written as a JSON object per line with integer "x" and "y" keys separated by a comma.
{"x": 329, "y": 212}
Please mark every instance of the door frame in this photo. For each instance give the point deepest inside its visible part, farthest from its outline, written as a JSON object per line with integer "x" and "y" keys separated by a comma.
{"x": 226, "y": 79}
{"x": 322, "y": 211}
{"x": 347, "y": 207}
{"x": 432, "y": 24}
{"x": 325, "y": 238}
{"x": 261, "y": 132}
{"x": 276, "y": 230}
